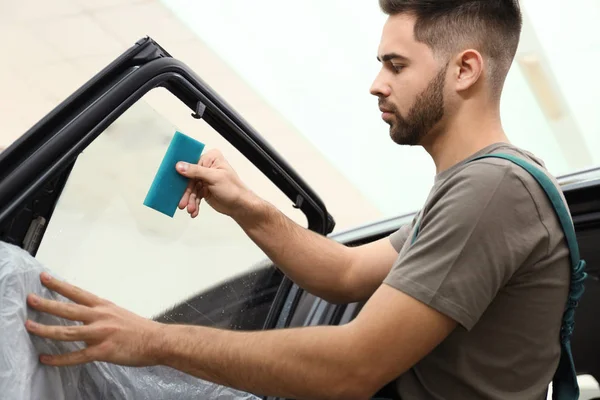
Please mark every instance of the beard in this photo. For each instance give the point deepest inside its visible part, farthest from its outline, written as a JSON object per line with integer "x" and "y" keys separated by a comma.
{"x": 427, "y": 111}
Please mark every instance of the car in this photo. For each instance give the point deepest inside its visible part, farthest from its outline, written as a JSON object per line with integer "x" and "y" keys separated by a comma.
{"x": 42, "y": 188}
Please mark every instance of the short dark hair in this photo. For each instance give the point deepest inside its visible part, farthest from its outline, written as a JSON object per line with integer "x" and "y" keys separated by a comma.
{"x": 493, "y": 27}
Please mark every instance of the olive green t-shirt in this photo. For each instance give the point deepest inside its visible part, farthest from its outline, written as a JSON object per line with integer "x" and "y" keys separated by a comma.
{"x": 490, "y": 254}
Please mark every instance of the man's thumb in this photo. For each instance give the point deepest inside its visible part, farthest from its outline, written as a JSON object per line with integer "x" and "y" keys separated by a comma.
{"x": 195, "y": 171}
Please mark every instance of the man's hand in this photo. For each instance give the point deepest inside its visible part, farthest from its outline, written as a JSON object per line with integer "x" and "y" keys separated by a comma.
{"x": 112, "y": 334}
{"x": 392, "y": 332}
{"x": 215, "y": 181}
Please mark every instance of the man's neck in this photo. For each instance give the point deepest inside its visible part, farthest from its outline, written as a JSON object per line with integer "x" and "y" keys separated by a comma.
{"x": 464, "y": 137}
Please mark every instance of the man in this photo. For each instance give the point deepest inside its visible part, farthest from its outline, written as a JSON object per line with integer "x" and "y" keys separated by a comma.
{"x": 472, "y": 309}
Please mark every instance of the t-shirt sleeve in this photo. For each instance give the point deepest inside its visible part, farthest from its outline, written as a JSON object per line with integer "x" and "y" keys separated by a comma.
{"x": 476, "y": 231}
{"x": 399, "y": 237}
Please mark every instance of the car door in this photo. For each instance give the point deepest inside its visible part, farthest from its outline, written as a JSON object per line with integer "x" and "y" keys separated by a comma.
{"x": 72, "y": 188}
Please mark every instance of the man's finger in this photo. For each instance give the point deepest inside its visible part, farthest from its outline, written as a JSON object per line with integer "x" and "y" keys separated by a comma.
{"x": 199, "y": 191}
{"x": 186, "y": 195}
{"x": 195, "y": 214}
{"x": 209, "y": 158}
{"x": 194, "y": 171}
{"x": 71, "y": 333}
{"x": 62, "y": 360}
{"x": 73, "y": 312}
{"x": 196, "y": 209}
{"x": 69, "y": 291}
{"x": 191, "y": 202}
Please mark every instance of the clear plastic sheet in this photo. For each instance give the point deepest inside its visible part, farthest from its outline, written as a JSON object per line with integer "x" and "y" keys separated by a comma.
{"x": 23, "y": 377}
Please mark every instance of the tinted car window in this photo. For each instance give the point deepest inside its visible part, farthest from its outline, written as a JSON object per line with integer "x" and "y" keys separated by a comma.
{"x": 243, "y": 303}
{"x": 102, "y": 238}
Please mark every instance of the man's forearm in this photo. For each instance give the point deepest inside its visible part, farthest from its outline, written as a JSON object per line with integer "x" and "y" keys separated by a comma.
{"x": 316, "y": 263}
{"x": 302, "y": 363}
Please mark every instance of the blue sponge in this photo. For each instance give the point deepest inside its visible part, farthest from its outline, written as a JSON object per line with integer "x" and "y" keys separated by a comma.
{"x": 168, "y": 185}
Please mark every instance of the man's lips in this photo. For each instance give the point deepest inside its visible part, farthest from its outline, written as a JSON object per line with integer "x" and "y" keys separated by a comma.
{"x": 385, "y": 113}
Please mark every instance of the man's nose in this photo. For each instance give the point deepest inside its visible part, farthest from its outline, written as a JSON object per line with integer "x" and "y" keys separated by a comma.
{"x": 379, "y": 88}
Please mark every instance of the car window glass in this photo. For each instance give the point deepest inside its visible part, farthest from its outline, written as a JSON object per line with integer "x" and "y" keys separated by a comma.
{"x": 101, "y": 237}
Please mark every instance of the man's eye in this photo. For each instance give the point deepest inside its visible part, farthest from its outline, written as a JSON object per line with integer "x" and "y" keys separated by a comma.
{"x": 397, "y": 68}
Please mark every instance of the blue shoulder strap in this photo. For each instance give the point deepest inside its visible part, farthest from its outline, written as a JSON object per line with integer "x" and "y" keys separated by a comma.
{"x": 564, "y": 383}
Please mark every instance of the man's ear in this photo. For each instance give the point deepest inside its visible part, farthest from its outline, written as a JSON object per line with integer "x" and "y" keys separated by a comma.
{"x": 469, "y": 69}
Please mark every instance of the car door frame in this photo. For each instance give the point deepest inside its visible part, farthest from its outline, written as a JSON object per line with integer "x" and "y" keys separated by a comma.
{"x": 39, "y": 162}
